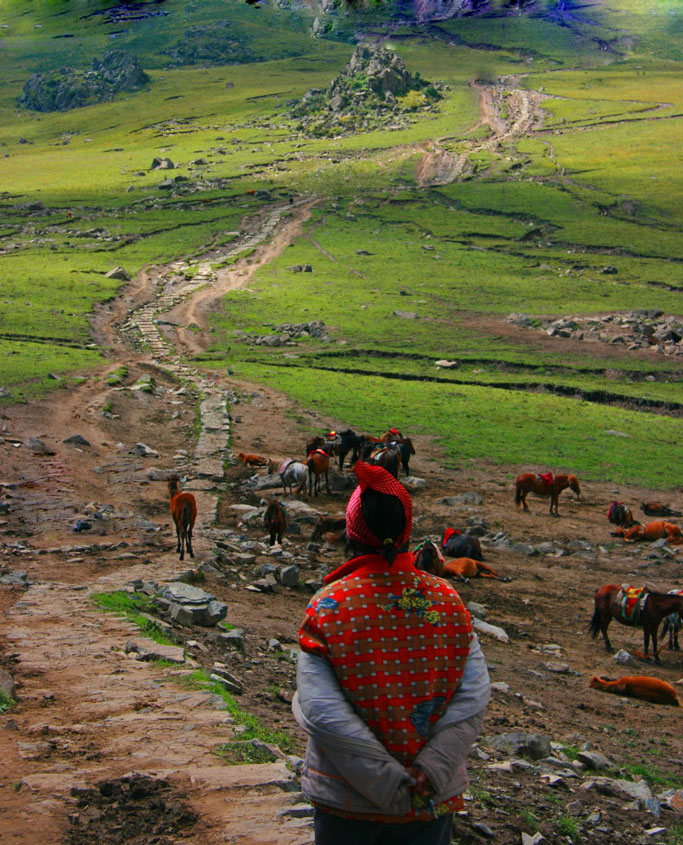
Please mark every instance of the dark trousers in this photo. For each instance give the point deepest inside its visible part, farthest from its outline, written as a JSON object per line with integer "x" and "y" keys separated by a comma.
{"x": 336, "y": 830}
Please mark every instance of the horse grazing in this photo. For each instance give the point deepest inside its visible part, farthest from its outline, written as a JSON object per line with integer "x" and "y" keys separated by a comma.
{"x": 658, "y": 509}
{"x": 672, "y": 624}
{"x": 318, "y": 463}
{"x": 464, "y": 568}
{"x": 635, "y": 608}
{"x": 652, "y": 531}
{"x": 619, "y": 514}
{"x": 252, "y": 460}
{"x": 529, "y": 482}
{"x": 335, "y": 522}
{"x": 293, "y": 474}
{"x": 275, "y": 521}
{"x": 388, "y": 458}
{"x": 184, "y": 512}
{"x": 639, "y": 686}
{"x": 456, "y": 544}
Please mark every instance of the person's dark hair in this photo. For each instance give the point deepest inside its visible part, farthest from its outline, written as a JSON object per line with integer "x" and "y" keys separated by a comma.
{"x": 386, "y": 518}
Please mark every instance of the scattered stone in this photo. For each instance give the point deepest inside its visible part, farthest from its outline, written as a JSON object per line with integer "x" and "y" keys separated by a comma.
{"x": 535, "y": 746}
{"x": 76, "y": 440}
{"x": 145, "y": 451}
{"x": 594, "y": 760}
{"x": 622, "y": 657}
{"x": 7, "y": 687}
{"x": 536, "y": 839}
{"x": 36, "y": 445}
{"x": 492, "y": 630}
{"x": 118, "y": 273}
{"x": 289, "y": 576}
{"x": 483, "y": 830}
{"x": 412, "y": 482}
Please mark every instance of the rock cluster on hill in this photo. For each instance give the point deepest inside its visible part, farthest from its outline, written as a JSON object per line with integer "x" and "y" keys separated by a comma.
{"x": 634, "y": 329}
{"x": 210, "y": 44}
{"x": 68, "y": 88}
{"x": 374, "y": 89}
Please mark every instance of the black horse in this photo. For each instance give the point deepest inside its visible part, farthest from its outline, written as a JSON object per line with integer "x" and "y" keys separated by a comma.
{"x": 457, "y": 544}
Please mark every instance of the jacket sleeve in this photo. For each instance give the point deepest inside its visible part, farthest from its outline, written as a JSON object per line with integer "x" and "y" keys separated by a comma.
{"x": 325, "y": 713}
{"x": 454, "y": 733}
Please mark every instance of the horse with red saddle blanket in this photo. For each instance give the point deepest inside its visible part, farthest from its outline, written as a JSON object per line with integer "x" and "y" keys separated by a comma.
{"x": 545, "y": 485}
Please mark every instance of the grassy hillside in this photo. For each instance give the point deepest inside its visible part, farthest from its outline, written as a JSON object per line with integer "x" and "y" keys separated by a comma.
{"x": 529, "y": 225}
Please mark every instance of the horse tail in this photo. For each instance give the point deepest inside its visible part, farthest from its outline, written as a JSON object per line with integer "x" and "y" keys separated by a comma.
{"x": 594, "y": 625}
{"x": 186, "y": 516}
{"x": 518, "y": 494}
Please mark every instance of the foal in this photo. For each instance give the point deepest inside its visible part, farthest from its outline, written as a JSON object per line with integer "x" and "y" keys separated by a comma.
{"x": 184, "y": 512}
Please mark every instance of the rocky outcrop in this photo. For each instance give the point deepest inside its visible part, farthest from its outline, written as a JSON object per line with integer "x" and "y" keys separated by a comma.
{"x": 374, "y": 89}
{"x": 210, "y": 44}
{"x": 68, "y": 88}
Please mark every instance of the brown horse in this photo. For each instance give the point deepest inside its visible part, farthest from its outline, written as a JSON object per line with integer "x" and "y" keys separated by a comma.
{"x": 609, "y": 605}
{"x": 388, "y": 458}
{"x": 252, "y": 460}
{"x": 464, "y": 568}
{"x": 658, "y": 509}
{"x": 334, "y": 522}
{"x": 318, "y": 463}
{"x": 427, "y": 557}
{"x": 184, "y": 512}
{"x": 275, "y": 520}
{"x": 639, "y": 686}
{"x": 529, "y": 482}
{"x": 672, "y": 625}
{"x": 652, "y": 531}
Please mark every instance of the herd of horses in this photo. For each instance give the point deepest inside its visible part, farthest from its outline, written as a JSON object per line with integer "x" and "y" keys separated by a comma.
{"x": 393, "y": 451}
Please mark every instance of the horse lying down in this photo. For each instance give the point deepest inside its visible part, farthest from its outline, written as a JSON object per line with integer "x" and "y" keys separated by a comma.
{"x": 652, "y": 531}
{"x": 462, "y": 568}
{"x": 252, "y": 460}
{"x": 639, "y": 686}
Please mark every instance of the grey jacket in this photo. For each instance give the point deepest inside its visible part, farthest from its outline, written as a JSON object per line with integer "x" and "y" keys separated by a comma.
{"x": 347, "y": 767}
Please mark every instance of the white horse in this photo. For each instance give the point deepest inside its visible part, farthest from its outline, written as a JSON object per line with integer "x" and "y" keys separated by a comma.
{"x": 293, "y": 474}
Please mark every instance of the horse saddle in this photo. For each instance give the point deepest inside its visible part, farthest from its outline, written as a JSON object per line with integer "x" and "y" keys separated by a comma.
{"x": 546, "y": 477}
{"x": 631, "y": 602}
{"x": 282, "y": 469}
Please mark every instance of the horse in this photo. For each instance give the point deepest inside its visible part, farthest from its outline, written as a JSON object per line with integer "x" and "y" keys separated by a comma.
{"x": 348, "y": 442}
{"x": 183, "y": 508}
{"x": 365, "y": 446}
{"x": 456, "y": 544}
{"x": 388, "y": 458}
{"x": 658, "y": 509}
{"x": 672, "y": 624}
{"x": 405, "y": 449}
{"x": 529, "y": 482}
{"x": 293, "y": 473}
{"x": 252, "y": 460}
{"x": 427, "y": 557}
{"x": 275, "y": 520}
{"x": 639, "y": 686}
{"x": 651, "y": 609}
{"x": 619, "y": 514}
{"x": 651, "y": 531}
{"x": 464, "y": 568}
{"x": 335, "y": 522}
{"x": 318, "y": 463}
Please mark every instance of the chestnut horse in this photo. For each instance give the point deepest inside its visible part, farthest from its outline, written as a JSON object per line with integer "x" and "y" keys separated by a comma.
{"x": 658, "y": 509}
{"x": 334, "y": 522}
{"x": 184, "y": 512}
{"x": 652, "y": 531}
{"x": 464, "y": 568}
{"x": 275, "y": 520}
{"x": 639, "y": 686}
{"x": 529, "y": 482}
{"x": 608, "y": 606}
{"x": 318, "y": 463}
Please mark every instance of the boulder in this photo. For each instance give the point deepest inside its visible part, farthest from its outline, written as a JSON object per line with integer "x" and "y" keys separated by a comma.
{"x": 535, "y": 746}
{"x": 118, "y": 273}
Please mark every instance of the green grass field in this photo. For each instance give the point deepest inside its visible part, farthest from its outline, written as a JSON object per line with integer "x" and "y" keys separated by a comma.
{"x": 529, "y": 227}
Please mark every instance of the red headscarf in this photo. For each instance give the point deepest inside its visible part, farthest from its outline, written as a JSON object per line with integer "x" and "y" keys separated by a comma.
{"x": 376, "y": 478}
